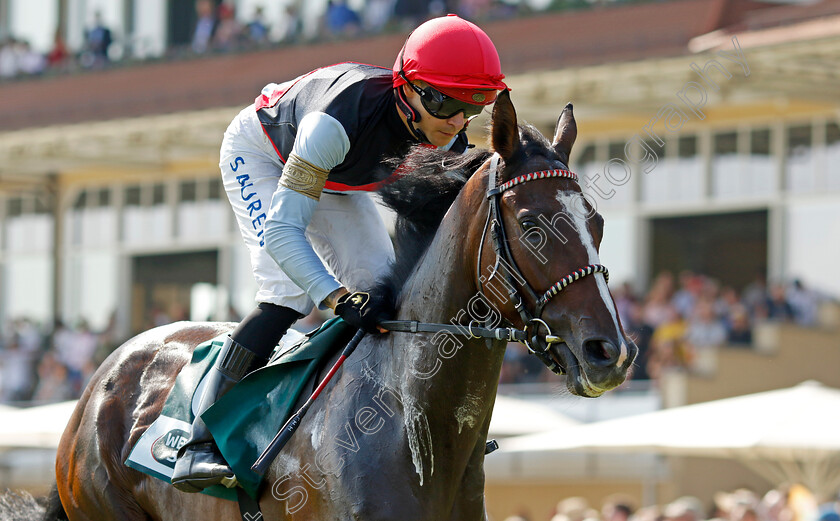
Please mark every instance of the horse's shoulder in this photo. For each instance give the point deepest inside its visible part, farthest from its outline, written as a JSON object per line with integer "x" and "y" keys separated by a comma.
{"x": 131, "y": 387}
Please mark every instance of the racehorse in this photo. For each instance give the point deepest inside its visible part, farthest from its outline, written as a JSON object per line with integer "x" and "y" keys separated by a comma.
{"x": 400, "y": 432}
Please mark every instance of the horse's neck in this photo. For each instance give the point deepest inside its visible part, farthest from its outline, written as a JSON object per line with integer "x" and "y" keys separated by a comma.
{"x": 444, "y": 368}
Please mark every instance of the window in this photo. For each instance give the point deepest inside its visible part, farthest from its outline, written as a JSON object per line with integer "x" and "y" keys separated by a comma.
{"x": 587, "y": 155}
{"x": 81, "y": 201}
{"x": 832, "y": 134}
{"x": 801, "y": 168}
{"x": 726, "y": 144}
{"x": 187, "y": 191}
{"x": 42, "y": 204}
{"x": 687, "y": 147}
{"x": 799, "y": 142}
{"x": 132, "y": 196}
{"x": 760, "y": 142}
{"x": 14, "y": 207}
{"x": 103, "y": 197}
{"x": 214, "y": 191}
{"x": 158, "y": 194}
{"x": 832, "y": 159}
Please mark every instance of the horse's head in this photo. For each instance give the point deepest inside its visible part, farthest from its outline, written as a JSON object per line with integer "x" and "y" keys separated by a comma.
{"x": 538, "y": 255}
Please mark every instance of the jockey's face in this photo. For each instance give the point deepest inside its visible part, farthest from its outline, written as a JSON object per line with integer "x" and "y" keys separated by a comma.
{"x": 439, "y": 131}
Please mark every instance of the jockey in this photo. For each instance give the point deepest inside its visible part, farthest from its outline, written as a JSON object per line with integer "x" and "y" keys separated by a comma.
{"x": 296, "y": 167}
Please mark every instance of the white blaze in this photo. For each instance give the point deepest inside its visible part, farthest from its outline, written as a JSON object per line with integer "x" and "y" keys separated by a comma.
{"x": 568, "y": 200}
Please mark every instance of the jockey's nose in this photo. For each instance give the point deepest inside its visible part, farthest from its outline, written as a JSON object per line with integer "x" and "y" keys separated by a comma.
{"x": 457, "y": 120}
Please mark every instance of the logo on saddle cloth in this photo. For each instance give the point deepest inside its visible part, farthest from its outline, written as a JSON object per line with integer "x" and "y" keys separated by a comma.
{"x": 165, "y": 448}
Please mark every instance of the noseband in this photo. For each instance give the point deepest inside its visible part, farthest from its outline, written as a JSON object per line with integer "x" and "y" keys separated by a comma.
{"x": 536, "y": 344}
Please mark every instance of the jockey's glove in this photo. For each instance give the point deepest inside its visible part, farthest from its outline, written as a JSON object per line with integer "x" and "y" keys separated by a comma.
{"x": 359, "y": 310}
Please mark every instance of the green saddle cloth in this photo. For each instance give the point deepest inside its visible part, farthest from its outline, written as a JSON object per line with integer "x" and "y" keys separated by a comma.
{"x": 247, "y": 417}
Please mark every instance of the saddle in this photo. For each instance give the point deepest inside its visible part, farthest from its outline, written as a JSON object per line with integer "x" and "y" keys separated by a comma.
{"x": 247, "y": 417}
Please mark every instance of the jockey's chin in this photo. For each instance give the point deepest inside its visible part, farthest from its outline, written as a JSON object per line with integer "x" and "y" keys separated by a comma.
{"x": 440, "y": 132}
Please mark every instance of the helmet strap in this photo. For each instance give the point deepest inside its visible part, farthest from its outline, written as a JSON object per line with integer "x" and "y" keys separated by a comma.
{"x": 410, "y": 114}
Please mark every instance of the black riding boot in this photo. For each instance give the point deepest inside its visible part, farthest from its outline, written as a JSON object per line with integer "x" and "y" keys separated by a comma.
{"x": 200, "y": 464}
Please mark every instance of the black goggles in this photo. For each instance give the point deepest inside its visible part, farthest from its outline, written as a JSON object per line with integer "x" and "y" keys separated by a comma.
{"x": 442, "y": 106}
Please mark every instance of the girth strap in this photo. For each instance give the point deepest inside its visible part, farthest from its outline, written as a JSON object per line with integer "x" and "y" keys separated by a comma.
{"x": 249, "y": 509}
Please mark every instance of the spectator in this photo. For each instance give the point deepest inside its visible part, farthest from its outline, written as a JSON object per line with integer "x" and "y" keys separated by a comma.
{"x": 691, "y": 286}
{"x": 740, "y": 329}
{"x": 97, "y": 43}
{"x": 377, "y": 14}
{"x": 159, "y": 317}
{"x": 205, "y": 26}
{"x": 474, "y": 9}
{"x": 340, "y": 20}
{"x": 29, "y": 61}
{"x": 641, "y": 334}
{"x": 15, "y": 371}
{"x": 411, "y": 12}
{"x": 257, "y": 28}
{"x": 778, "y": 307}
{"x": 289, "y": 26}
{"x": 804, "y": 303}
{"x": 773, "y": 506}
{"x": 617, "y": 510}
{"x": 228, "y": 31}
{"x": 704, "y": 333}
{"x": 53, "y": 384}
{"x": 8, "y": 58}
{"x": 755, "y": 296}
{"x": 31, "y": 339}
{"x": 573, "y": 509}
{"x": 625, "y": 300}
{"x": 686, "y": 508}
{"x": 658, "y": 309}
{"x": 739, "y": 505}
{"x": 59, "y": 56}
{"x": 667, "y": 347}
{"x": 649, "y": 513}
{"x": 828, "y": 512}
{"x": 76, "y": 349}
{"x": 724, "y": 304}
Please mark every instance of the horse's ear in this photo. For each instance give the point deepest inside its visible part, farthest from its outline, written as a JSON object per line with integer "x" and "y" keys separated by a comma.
{"x": 505, "y": 132}
{"x": 565, "y": 134}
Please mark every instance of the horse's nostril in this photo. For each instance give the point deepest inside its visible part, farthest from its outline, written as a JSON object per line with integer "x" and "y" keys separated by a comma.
{"x": 599, "y": 352}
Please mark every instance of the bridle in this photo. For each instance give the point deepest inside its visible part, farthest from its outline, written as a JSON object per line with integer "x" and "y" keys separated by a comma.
{"x": 514, "y": 281}
{"x": 536, "y": 344}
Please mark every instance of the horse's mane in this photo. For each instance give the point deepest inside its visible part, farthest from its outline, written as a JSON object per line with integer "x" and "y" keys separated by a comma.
{"x": 431, "y": 180}
{"x": 421, "y": 196}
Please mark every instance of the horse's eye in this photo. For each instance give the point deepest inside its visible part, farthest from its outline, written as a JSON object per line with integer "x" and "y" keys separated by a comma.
{"x": 527, "y": 224}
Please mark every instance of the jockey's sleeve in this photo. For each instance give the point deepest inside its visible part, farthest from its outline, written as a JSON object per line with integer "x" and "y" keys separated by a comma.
{"x": 321, "y": 143}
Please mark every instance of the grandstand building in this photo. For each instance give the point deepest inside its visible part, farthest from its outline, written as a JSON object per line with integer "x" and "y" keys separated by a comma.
{"x": 708, "y": 138}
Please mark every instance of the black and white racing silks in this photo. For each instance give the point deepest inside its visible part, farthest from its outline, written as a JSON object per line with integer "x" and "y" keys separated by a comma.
{"x": 340, "y": 119}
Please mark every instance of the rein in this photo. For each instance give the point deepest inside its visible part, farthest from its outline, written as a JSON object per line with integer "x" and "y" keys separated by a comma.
{"x": 537, "y": 345}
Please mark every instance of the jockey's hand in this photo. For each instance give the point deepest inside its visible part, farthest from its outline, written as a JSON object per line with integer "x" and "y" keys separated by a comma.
{"x": 358, "y": 310}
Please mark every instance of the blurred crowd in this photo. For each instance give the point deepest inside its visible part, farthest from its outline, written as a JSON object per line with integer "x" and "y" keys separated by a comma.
{"x": 793, "y": 503}
{"x": 677, "y": 325}
{"x": 219, "y": 28}
{"x": 41, "y": 367}
{"x": 680, "y": 322}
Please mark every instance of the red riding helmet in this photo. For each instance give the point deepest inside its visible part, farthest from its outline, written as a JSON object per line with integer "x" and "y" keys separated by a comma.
{"x": 455, "y": 56}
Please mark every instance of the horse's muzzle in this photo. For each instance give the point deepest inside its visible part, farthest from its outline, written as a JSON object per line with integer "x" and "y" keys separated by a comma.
{"x": 600, "y": 366}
